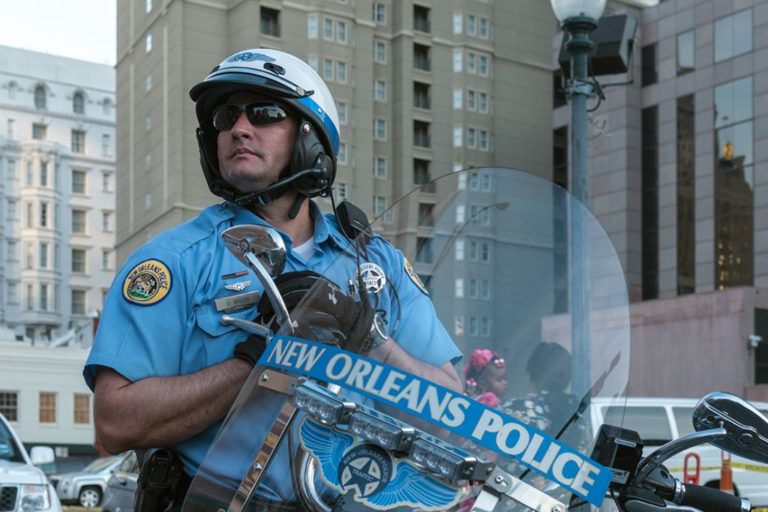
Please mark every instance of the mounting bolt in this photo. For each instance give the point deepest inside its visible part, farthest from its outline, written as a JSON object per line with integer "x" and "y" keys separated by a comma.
{"x": 264, "y": 377}
{"x": 557, "y": 508}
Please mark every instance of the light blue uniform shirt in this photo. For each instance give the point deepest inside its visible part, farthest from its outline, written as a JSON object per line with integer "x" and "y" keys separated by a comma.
{"x": 140, "y": 336}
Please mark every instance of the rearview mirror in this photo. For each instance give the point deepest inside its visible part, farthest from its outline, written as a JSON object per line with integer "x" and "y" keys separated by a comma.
{"x": 747, "y": 428}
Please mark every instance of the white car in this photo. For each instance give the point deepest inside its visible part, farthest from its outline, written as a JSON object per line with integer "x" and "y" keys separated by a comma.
{"x": 86, "y": 488}
{"x": 24, "y": 487}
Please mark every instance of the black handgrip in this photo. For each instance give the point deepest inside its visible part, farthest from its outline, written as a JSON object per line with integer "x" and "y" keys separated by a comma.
{"x": 708, "y": 499}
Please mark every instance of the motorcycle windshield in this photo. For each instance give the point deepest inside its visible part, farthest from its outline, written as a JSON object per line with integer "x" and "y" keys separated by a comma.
{"x": 509, "y": 308}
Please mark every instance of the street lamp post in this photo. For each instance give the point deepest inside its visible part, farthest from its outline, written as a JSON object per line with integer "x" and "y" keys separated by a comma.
{"x": 579, "y": 18}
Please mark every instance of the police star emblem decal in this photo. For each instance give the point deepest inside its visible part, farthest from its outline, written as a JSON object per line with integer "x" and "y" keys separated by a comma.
{"x": 373, "y": 476}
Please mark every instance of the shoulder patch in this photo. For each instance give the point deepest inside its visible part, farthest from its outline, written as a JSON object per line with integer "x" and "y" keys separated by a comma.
{"x": 147, "y": 283}
{"x": 413, "y": 275}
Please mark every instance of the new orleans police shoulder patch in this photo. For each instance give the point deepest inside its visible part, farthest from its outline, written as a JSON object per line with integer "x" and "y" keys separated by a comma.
{"x": 147, "y": 283}
{"x": 413, "y": 275}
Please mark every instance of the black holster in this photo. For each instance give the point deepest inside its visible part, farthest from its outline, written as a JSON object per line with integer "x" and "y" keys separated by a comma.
{"x": 159, "y": 481}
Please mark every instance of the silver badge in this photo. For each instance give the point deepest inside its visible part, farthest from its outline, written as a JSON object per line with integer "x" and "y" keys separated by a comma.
{"x": 238, "y": 287}
{"x": 372, "y": 275}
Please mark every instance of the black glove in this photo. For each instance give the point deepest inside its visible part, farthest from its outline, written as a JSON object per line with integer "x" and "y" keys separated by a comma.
{"x": 328, "y": 315}
{"x": 251, "y": 348}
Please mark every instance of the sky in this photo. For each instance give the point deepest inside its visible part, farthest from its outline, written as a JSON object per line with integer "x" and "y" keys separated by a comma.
{"x": 80, "y": 29}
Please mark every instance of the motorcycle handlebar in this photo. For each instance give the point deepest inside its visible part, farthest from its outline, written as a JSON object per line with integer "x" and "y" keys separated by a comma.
{"x": 708, "y": 499}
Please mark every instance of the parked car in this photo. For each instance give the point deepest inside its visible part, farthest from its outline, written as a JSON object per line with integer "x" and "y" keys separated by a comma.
{"x": 23, "y": 486}
{"x": 659, "y": 420}
{"x": 86, "y": 487}
{"x": 121, "y": 487}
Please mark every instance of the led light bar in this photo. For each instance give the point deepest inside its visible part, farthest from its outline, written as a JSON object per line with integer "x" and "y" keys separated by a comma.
{"x": 449, "y": 463}
{"x": 322, "y": 405}
{"x": 379, "y": 431}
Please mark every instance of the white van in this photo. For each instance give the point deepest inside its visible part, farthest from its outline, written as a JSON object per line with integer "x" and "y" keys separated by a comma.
{"x": 22, "y": 485}
{"x": 659, "y": 420}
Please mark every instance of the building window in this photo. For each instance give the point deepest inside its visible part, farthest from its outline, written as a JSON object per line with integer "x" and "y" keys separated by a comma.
{"x": 379, "y": 167}
{"x": 423, "y": 250}
{"x": 458, "y": 288}
{"x": 380, "y": 129}
{"x": 381, "y": 208}
{"x": 685, "y": 52}
{"x": 78, "y": 261}
{"x": 379, "y": 52}
{"x": 343, "y": 155}
{"x": 30, "y": 173}
{"x": 270, "y": 22}
{"x": 341, "y": 32}
{"x": 379, "y": 90}
{"x": 106, "y": 145}
{"x": 421, "y": 175}
{"x": 480, "y": 214}
{"x": 649, "y": 71}
{"x": 30, "y": 220}
{"x": 734, "y": 184}
{"x": 686, "y": 197}
{"x": 379, "y": 13}
{"x": 11, "y": 129}
{"x": 421, "y": 16}
{"x": 30, "y": 255}
{"x": 106, "y": 182}
{"x": 106, "y": 217}
{"x": 421, "y": 57}
{"x": 78, "y": 141}
{"x": 11, "y": 209}
{"x": 649, "y": 141}
{"x": 426, "y": 215}
{"x": 342, "y": 111}
{"x": 147, "y": 6}
{"x": 312, "y": 26}
{"x": 43, "y": 214}
{"x": 78, "y": 181}
{"x": 148, "y": 83}
{"x": 43, "y": 296}
{"x": 106, "y": 259}
{"x": 733, "y": 35}
{"x": 421, "y": 137}
{"x": 458, "y": 326}
{"x": 106, "y": 106}
{"x": 458, "y": 98}
{"x": 43, "y": 256}
{"x": 47, "y": 412}
{"x": 457, "y": 136}
{"x": 148, "y": 43}
{"x": 30, "y": 297}
{"x": 477, "y": 26}
{"x": 78, "y": 302}
{"x": 82, "y": 408}
{"x": 41, "y": 97}
{"x": 9, "y": 405}
{"x": 43, "y": 173}
{"x": 39, "y": 131}
{"x": 78, "y": 221}
{"x": 78, "y": 103}
{"x": 457, "y": 61}
{"x": 421, "y": 95}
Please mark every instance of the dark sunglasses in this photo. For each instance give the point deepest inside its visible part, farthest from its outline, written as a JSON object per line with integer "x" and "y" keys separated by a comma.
{"x": 258, "y": 114}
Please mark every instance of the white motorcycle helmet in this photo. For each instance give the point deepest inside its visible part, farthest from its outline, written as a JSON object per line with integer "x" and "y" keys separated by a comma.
{"x": 291, "y": 82}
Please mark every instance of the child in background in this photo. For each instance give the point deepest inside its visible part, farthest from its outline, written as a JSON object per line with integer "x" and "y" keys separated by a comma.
{"x": 485, "y": 377}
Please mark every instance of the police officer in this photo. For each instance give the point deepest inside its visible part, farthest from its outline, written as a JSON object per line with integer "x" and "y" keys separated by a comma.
{"x": 163, "y": 368}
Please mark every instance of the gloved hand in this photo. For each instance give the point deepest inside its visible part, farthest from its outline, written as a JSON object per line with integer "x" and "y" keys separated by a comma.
{"x": 327, "y": 315}
{"x": 251, "y": 349}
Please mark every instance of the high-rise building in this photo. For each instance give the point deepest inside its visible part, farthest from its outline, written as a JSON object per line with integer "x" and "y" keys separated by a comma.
{"x": 57, "y": 193}
{"x": 677, "y": 172}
